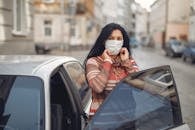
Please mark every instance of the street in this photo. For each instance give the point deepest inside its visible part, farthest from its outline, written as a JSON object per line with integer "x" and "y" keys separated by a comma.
{"x": 183, "y": 73}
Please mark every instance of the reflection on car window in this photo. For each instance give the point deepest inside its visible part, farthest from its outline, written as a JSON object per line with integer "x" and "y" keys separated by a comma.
{"x": 137, "y": 104}
{"x": 77, "y": 75}
{"x": 176, "y": 43}
{"x": 21, "y": 100}
{"x": 166, "y": 78}
{"x": 156, "y": 74}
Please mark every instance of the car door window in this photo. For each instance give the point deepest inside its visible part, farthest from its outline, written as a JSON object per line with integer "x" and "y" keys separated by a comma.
{"x": 62, "y": 112}
{"x": 22, "y": 103}
{"x": 136, "y": 104}
{"x": 77, "y": 76}
{"x": 166, "y": 78}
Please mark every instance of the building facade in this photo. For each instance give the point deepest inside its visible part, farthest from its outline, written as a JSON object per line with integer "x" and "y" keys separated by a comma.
{"x": 192, "y": 21}
{"x": 141, "y": 22}
{"x": 67, "y": 23}
{"x": 169, "y": 18}
{"x": 118, "y": 11}
{"x": 16, "y": 21}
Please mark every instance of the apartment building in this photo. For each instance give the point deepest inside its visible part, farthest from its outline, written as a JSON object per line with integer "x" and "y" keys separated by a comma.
{"x": 15, "y": 21}
{"x": 118, "y": 11}
{"x": 169, "y": 18}
{"x": 192, "y": 21}
{"x": 66, "y": 23}
{"x": 141, "y": 22}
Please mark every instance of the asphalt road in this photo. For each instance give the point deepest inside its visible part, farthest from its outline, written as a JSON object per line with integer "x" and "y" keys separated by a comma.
{"x": 184, "y": 74}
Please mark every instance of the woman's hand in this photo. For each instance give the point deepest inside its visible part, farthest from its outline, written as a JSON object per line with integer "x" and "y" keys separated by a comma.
{"x": 105, "y": 55}
{"x": 124, "y": 54}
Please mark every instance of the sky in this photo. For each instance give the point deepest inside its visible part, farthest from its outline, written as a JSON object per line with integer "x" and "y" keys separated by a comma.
{"x": 145, "y": 3}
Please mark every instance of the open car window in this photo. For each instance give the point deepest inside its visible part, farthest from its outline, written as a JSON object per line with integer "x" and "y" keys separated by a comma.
{"x": 136, "y": 104}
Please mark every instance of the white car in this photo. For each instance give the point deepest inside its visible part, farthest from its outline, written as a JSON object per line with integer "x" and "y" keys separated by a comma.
{"x": 51, "y": 93}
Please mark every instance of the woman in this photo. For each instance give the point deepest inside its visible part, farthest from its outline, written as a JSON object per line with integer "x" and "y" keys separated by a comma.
{"x": 108, "y": 62}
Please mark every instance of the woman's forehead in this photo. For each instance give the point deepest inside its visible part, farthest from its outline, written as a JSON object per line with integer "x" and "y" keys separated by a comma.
{"x": 116, "y": 32}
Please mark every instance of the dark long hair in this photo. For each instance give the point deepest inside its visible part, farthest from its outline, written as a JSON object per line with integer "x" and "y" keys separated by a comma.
{"x": 99, "y": 47}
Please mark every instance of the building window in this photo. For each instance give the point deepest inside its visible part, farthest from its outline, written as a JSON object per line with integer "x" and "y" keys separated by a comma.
{"x": 19, "y": 16}
{"x": 48, "y": 1}
{"x": 47, "y": 31}
{"x": 48, "y": 27}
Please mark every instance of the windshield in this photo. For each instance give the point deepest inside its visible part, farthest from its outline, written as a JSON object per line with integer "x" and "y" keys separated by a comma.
{"x": 139, "y": 104}
{"x": 175, "y": 43}
{"x": 21, "y": 100}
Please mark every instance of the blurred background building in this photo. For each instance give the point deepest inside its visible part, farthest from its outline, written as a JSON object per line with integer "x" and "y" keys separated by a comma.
{"x": 140, "y": 22}
{"x": 192, "y": 21}
{"x": 118, "y": 11}
{"x": 66, "y": 23}
{"x": 16, "y": 24}
{"x": 77, "y": 23}
{"x": 169, "y": 18}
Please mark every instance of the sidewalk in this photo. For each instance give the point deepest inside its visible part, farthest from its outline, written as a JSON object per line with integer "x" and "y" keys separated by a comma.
{"x": 17, "y": 47}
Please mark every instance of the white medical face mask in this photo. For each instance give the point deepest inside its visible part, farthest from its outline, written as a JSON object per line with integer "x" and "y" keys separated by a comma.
{"x": 114, "y": 46}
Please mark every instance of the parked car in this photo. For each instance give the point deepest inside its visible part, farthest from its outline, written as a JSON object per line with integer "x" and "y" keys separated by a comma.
{"x": 44, "y": 48}
{"x": 51, "y": 93}
{"x": 147, "y": 41}
{"x": 133, "y": 43}
{"x": 189, "y": 53}
{"x": 174, "y": 48}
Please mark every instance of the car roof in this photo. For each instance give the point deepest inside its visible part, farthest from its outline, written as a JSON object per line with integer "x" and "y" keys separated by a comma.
{"x": 32, "y": 65}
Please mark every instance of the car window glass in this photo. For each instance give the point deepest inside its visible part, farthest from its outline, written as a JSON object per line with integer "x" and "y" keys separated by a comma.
{"x": 176, "y": 43}
{"x": 61, "y": 105}
{"x": 156, "y": 75}
{"x": 77, "y": 75}
{"x": 21, "y": 103}
{"x": 165, "y": 79}
{"x": 137, "y": 104}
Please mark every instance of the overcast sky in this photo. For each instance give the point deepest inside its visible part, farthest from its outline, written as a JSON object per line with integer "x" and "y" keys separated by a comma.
{"x": 145, "y": 3}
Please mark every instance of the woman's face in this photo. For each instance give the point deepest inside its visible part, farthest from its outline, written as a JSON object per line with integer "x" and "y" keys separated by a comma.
{"x": 116, "y": 35}
{"x": 114, "y": 42}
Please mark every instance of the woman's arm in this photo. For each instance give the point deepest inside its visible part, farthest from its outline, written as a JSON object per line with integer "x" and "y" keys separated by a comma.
{"x": 96, "y": 76}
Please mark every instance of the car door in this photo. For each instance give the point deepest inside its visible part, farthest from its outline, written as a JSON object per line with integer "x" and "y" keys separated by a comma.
{"x": 76, "y": 75}
{"x": 135, "y": 104}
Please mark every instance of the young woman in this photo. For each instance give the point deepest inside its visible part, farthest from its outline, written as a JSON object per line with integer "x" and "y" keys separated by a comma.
{"x": 108, "y": 62}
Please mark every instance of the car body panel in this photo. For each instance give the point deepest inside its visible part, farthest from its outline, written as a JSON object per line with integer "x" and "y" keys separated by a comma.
{"x": 183, "y": 127}
{"x": 14, "y": 64}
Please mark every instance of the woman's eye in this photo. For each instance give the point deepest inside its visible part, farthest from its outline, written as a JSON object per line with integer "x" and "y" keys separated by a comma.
{"x": 111, "y": 38}
{"x": 120, "y": 38}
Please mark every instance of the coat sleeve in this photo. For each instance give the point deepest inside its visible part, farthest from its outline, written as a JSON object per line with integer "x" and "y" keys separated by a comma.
{"x": 130, "y": 65}
{"x": 97, "y": 76}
